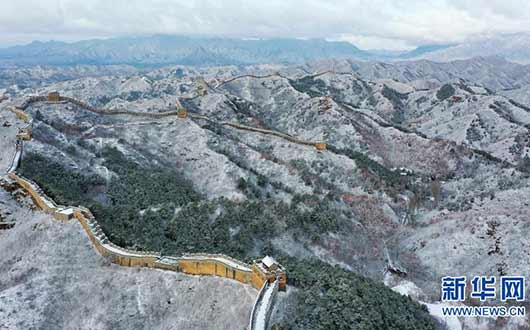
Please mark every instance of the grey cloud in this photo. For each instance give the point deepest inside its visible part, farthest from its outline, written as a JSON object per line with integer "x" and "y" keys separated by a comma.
{"x": 406, "y": 22}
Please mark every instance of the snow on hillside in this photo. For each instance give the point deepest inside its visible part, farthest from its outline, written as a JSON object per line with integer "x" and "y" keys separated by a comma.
{"x": 53, "y": 278}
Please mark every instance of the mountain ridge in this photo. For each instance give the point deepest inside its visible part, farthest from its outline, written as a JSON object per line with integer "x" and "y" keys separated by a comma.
{"x": 514, "y": 47}
{"x": 162, "y": 50}
{"x": 159, "y": 50}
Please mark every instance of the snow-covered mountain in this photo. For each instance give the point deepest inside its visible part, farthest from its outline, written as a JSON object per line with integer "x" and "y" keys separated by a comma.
{"x": 494, "y": 72}
{"x": 427, "y": 166}
{"x": 163, "y": 50}
{"x": 514, "y": 47}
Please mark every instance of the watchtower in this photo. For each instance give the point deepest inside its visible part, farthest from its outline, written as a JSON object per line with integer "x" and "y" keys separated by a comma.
{"x": 64, "y": 214}
{"x": 202, "y": 87}
{"x": 181, "y": 111}
{"x": 320, "y": 146}
{"x": 324, "y": 103}
{"x": 54, "y": 97}
{"x": 24, "y": 134}
{"x": 268, "y": 270}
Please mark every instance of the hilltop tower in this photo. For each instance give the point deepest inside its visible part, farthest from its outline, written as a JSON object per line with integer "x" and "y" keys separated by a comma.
{"x": 202, "y": 87}
{"x": 324, "y": 104}
{"x": 24, "y": 134}
{"x": 320, "y": 146}
{"x": 181, "y": 111}
{"x": 268, "y": 270}
{"x": 54, "y": 97}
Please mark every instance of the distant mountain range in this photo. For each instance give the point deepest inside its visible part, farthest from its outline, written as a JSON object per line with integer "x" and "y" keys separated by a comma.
{"x": 492, "y": 72}
{"x": 162, "y": 50}
{"x": 513, "y": 47}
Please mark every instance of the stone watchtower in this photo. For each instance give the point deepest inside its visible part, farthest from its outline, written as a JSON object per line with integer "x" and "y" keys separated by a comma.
{"x": 54, "y": 97}
{"x": 202, "y": 87}
{"x": 320, "y": 146}
{"x": 24, "y": 134}
{"x": 268, "y": 270}
{"x": 181, "y": 111}
{"x": 324, "y": 104}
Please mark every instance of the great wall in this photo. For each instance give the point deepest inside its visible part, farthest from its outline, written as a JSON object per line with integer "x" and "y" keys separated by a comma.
{"x": 275, "y": 74}
{"x": 181, "y": 112}
{"x": 266, "y": 274}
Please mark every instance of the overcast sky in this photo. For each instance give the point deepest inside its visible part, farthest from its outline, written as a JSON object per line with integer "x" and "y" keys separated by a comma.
{"x": 390, "y": 24}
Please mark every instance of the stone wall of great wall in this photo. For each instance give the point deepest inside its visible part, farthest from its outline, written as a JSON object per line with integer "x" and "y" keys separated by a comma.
{"x": 265, "y": 277}
{"x": 180, "y": 113}
{"x": 276, "y": 74}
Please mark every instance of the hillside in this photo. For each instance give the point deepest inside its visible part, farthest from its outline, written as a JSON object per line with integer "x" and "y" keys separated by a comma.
{"x": 50, "y": 272}
{"x": 492, "y": 72}
{"x": 514, "y": 47}
{"x": 425, "y": 173}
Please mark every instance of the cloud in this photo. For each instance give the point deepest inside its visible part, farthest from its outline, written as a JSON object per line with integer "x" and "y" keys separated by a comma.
{"x": 374, "y": 23}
